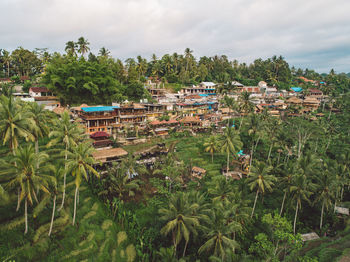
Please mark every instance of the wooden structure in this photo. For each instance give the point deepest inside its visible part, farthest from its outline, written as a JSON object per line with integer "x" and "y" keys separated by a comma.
{"x": 311, "y": 103}
{"x": 109, "y": 155}
{"x": 198, "y": 173}
{"x": 101, "y": 139}
{"x": 309, "y": 236}
{"x": 190, "y": 121}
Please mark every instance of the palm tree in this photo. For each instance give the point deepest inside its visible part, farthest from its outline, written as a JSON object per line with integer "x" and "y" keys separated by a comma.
{"x": 245, "y": 104}
{"x": 179, "y": 218}
{"x": 218, "y": 232}
{"x": 188, "y": 57}
{"x": 71, "y": 48}
{"x": 83, "y": 46}
{"x": 260, "y": 179}
{"x": 80, "y": 164}
{"x": 286, "y": 181}
{"x": 104, "y": 52}
{"x": 67, "y": 133}
{"x": 326, "y": 187}
{"x": 40, "y": 117}
{"x": 301, "y": 189}
{"x": 230, "y": 143}
{"x": 211, "y": 146}
{"x": 54, "y": 192}
{"x": 6, "y": 59}
{"x": 220, "y": 189}
{"x": 254, "y": 126}
{"x": 15, "y": 123}
{"x": 118, "y": 181}
{"x": 22, "y": 172}
{"x": 230, "y": 103}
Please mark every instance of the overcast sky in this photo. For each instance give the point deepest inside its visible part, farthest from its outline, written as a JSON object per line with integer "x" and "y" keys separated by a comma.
{"x": 308, "y": 33}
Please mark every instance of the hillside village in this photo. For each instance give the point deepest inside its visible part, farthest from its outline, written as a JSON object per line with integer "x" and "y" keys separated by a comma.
{"x": 195, "y": 108}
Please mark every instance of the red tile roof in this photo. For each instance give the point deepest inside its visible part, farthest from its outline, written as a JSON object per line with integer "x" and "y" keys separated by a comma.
{"x": 38, "y": 89}
{"x": 99, "y": 134}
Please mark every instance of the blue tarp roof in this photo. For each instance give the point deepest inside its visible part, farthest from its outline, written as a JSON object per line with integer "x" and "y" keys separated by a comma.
{"x": 98, "y": 108}
{"x": 203, "y": 95}
{"x": 296, "y": 89}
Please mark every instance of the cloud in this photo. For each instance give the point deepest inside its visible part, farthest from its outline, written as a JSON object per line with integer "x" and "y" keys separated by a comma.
{"x": 313, "y": 34}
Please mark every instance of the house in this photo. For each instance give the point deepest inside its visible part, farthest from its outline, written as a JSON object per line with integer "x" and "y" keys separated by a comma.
{"x": 24, "y": 97}
{"x": 190, "y": 121}
{"x": 311, "y": 103}
{"x": 316, "y": 93}
{"x": 154, "y": 111}
{"x": 251, "y": 89}
{"x": 39, "y": 91}
{"x": 199, "y": 90}
{"x": 207, "y": 84}
{"x": 198, "y": 173}
{"x": 101, "y": 139}
{"x": 98, "y": 118}
{"x": 294, "y": 101}
{"x": 236, "y": 84}
{"x": 156, "y": 92}
{"x": 131, "y": 113}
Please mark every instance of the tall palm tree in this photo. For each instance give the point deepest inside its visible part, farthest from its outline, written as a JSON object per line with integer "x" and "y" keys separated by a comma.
{"x": 71, "y": 48}
{"x": 231, "y": 104}
{"x": 188, "y": 57}
{"x": 245, "y": 104}
{"x": 220, "y": 189}
{"x": 230, "y": 144}
{"x": 58, "y": 172}
{"x": 286, "y": 181}
{"x": 218, "y": 231}
{"x": 67, "y": 133}
{"x": 260, "y": 180}
{"x": 211, "y": 146}
{"x": 40, "y": 117}
{"x": 6, "y": 59}
{"x": 104, "y": 52}
{"x": 22, "y": 171}
{"x": 15, "y": 123}
{"x": 326, "y": 188}
{"x": 83, "y": 45}
{"x": 118, "y": 181}
{"x": 80, "y": 164}
{"x": 301, "y": 190}
{"x": 179, "y": 218}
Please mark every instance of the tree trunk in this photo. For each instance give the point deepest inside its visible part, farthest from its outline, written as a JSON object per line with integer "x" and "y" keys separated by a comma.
{"x": 212, "y": 157}
{"x": 321, "y": 215}
{"x": 53, "y": 214}
{"x": 228, "y": 161}
{"x": 251, "y": 157}
{"x": 26, "y": 216}
{"x": 36, "y": 146}
{"x": 284, "y": 198}
{"x": 18, "y": 199}
{"x": 268, "y": 157}
{"x": 279, "y": 156}
{"x": 75, "y": 204}
{"x": 256, "y": 198}
{"x": 64, "y": 178}
{"x": 240, "y": 124}
{"x": 185, "y": 249}
{"x": 295, "y": 217}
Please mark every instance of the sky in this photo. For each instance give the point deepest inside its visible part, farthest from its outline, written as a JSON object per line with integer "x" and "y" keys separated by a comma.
{"x": 312, "y": 34}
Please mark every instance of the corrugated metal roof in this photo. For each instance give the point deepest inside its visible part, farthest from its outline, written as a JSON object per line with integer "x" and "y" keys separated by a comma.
{"x": 98, "y": 108}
